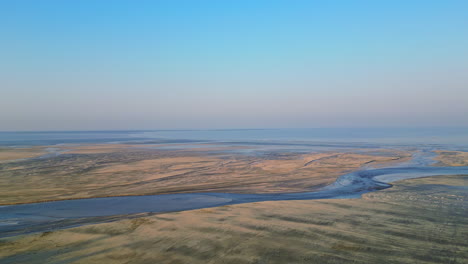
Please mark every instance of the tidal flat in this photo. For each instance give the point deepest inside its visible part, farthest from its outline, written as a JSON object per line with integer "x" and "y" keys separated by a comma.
{"x": 416, "y": 221}
{"x": 103, "y": 170}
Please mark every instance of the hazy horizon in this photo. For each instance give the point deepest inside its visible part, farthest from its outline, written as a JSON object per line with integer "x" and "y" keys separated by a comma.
{"x": 149, "y": 65}
{"x": 415, "y": 128}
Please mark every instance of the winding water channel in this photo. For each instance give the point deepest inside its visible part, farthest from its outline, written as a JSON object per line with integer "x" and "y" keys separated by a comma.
{"x": 46, "y": 216}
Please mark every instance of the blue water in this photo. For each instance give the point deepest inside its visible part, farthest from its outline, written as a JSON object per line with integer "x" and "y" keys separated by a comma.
{"x": 342, "y": 135}
{"x": 357, "y": 136}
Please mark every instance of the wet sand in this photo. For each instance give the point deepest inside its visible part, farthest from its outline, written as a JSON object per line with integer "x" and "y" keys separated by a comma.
{"x": 104, "y": 170}
{"x": 417, "y": 221}
{"x": 9, "y": 154}
{"x": 451, "y": 158}
{"x": 50, "y": 216}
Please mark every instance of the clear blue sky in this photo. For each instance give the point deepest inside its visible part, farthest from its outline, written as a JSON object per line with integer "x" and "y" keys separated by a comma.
{"x": 232, "y": 64}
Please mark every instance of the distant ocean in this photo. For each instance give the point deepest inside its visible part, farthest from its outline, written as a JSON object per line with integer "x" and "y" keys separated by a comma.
{"x": 391, "y": 136}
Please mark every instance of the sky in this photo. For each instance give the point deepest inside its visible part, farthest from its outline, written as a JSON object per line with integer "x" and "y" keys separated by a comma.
{"x": 173, "y": 64}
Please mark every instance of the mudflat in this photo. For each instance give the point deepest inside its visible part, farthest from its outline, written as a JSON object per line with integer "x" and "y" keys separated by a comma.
{"x": 417, "y": 221}
{"x": 451, "y": 158}
{"x": 12, "y": 154}
{"x": 103, "y": 170}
